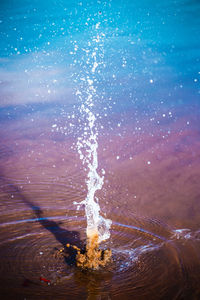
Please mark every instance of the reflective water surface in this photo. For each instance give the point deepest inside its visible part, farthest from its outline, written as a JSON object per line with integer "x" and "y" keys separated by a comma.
{"x": 147, "y": 114}
{"x": 155, "y": 237}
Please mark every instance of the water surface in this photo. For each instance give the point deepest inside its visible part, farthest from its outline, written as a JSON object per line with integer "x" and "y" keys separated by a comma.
{"x": 147, "y": 115}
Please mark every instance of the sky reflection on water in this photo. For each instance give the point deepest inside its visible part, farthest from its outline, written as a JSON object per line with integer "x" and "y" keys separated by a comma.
{"x": 151, "y": 52}
{"x": 147, "y": 84}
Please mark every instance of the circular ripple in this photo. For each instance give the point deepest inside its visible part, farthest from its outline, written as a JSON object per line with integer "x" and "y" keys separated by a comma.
{"x": 30, "y": 255}
{"x": 147, "y": 260}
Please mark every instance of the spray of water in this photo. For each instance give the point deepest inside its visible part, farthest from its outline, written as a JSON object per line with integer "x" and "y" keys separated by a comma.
{"x": 87, "y": 143}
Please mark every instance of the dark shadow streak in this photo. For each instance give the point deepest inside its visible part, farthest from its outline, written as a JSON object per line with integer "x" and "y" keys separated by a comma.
{"x": 63, "y": 236}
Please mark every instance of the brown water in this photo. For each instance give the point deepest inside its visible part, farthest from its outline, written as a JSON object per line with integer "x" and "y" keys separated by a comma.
{"x": 92, "y": 257}
{"x": 154, "y": 207}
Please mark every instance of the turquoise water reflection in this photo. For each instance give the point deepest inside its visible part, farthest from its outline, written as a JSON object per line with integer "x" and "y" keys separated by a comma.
{"x": 151, "y": 52}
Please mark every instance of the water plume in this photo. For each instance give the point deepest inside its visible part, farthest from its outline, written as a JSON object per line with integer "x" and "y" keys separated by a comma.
{"x": 87, "y": 144}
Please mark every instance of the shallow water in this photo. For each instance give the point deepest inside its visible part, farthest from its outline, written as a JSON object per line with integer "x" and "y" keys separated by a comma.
{"x": 155, "y": 237}
{"x": 148, "y": 117}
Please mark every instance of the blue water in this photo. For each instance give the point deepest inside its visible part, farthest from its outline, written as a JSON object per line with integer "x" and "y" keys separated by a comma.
{"x": 150, "y": 54}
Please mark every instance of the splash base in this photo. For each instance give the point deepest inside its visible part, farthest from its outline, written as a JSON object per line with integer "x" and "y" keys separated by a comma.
{"x": 91, "y": 257}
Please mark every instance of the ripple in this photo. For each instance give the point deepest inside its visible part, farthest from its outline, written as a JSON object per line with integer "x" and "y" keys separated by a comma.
{"x": 148, "y": 257}
{"x": 57, "y": 218}
{"x": 146, "y": 260}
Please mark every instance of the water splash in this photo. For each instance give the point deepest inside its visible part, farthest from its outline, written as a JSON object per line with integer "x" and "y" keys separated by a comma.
{"x": 87, "y": 144}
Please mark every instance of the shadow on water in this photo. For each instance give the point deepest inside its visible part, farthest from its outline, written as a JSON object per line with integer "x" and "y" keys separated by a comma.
{"x": 86, "y": 279}
{"x": 63, "y": 236}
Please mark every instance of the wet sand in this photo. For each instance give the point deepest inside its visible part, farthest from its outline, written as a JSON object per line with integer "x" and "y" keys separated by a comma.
{"x": 150, "y": 191}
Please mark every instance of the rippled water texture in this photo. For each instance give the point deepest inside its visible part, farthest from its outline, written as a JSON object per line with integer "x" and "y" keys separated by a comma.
{"x": 147, "y": 116}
